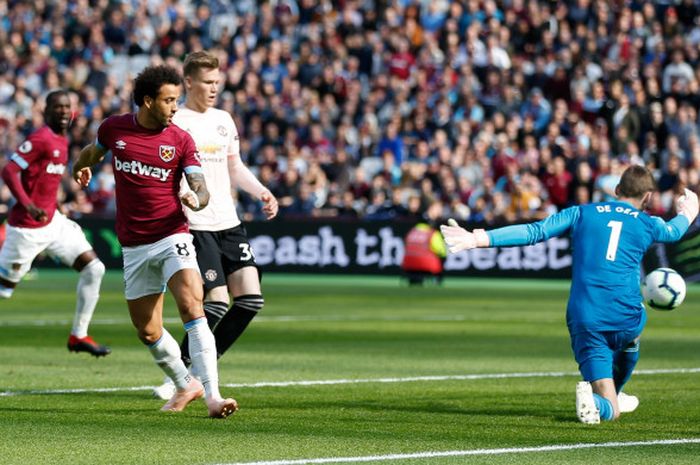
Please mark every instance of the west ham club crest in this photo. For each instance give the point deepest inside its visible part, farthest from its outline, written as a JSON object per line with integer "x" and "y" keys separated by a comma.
{"x": 166, "y": 152}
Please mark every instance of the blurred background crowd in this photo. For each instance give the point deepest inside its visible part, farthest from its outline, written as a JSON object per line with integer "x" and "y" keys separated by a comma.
{"x": 486, "y": 111}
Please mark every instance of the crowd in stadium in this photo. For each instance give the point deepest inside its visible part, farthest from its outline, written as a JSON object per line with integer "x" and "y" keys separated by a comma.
{"x": 491, "y": 110}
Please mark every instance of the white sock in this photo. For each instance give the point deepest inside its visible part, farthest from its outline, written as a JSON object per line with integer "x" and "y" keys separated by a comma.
{"x": 203, "y": 356}
{"x": 166, "y": 353}
{"x": 88, "y": 293}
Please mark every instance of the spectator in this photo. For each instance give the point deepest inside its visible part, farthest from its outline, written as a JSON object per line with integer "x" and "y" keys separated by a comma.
{"x": 626, "y": 124}
{"x": 677, "y": 74}
{"x": 556, "y": 181}
{"x": 445, "y": 87}
{"x": 538, "y": 109}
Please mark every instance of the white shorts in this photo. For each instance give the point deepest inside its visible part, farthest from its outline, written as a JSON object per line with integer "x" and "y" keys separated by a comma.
{"x": 149, "y": 267}
{"x": 61, "y": 238}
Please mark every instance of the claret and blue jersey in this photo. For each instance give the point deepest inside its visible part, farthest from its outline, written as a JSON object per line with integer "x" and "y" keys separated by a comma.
{"x": 609, "y": 240}
{"x": 148, "y": 166}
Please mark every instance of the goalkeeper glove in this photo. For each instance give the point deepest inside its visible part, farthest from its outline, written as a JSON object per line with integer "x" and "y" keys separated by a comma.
{"x": 687, "y": 205}
{"x": 458, "y": 239}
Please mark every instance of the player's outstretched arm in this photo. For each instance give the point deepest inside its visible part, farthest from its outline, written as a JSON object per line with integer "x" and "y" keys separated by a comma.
{"x": 198, "y": 196}
{"x": 90, "y": 155}
{"x": 242, "y": 177}
{"x": 676, "y": 227}
{"x": 459, "y": 239}
{"x": 687, "y": 205}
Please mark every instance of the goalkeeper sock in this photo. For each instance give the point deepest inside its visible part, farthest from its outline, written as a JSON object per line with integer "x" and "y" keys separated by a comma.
{"x": 213, "y": 311}
{"x": 624, "y": 362}
{"x": 604, "y": 407}
{"x": 232, "y": 325}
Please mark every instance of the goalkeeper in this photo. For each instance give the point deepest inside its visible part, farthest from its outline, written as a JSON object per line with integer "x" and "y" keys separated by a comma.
{"x": 605, "y": 315}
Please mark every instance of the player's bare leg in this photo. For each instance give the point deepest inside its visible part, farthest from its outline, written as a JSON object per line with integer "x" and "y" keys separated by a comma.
{"x": 147, "y": 316}
{"x": 214, "y": 308}
{"x": 605, "y": 388}
{"x": 213, "y": 311}
{"x": 227, "y": 324}
{"x": 186, "y": 287}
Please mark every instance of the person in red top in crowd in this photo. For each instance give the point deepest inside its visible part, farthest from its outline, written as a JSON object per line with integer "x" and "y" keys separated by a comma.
{"x": 33, "y": 175}
{"x": 149, "y": 157}
{"x": 424, "y": 249}
{"x": 402, "y": 61}
{"x": 556, "y": 181}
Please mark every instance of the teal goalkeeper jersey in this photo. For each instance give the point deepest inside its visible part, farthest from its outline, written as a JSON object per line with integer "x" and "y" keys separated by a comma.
{"x": 609, "y": 240}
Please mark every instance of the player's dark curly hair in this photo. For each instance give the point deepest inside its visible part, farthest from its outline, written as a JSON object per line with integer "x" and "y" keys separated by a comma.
{"x": 151, "y": 79}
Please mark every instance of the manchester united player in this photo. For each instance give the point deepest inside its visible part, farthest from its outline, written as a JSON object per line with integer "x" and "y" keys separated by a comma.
{"x": 149, "y": 157}
{"x": 33, "y": 175}
{"x": 225, "y": 257}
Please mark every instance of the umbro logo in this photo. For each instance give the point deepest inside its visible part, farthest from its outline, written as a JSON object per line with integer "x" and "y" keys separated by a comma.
{"x": 56, "y": 153}
{"x": 121, "y": 145}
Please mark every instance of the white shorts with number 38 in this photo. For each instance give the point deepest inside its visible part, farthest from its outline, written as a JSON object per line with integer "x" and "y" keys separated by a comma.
{"x": 149, "y": 267}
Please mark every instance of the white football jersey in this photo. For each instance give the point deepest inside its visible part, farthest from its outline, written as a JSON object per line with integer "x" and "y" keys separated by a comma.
{"x": 216, "y": 137}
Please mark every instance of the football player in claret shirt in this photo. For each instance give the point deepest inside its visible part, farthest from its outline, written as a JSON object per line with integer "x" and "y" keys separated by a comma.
{"x": 225, "y": 257}
{"x": 605, "y": 314}
{"x": 149, "y": 157}
{"x": 33, "y": 175}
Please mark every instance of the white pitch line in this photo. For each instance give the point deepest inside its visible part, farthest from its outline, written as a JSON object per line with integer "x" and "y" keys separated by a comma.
{"x": 471, "y": 452}
{"x": 335, "y": 382}
{"x": 410, "y": 379}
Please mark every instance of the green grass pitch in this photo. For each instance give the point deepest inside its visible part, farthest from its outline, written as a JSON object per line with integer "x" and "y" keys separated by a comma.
{"x": 344, "y": 369}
